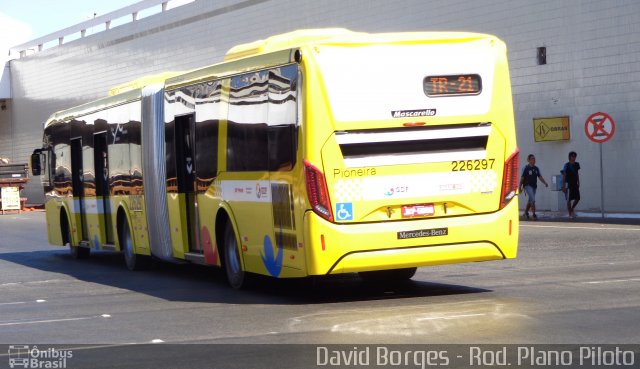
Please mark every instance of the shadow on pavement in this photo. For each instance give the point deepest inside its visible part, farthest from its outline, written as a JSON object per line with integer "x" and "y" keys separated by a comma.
{"x": 195, "y": 283}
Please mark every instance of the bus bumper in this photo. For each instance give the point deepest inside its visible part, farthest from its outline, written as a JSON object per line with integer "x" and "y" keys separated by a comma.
{"x": 345, "y": 248}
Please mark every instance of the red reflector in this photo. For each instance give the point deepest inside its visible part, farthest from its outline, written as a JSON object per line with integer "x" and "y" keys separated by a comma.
{"x": 409, "y": 211}
{"x": 414, "y": 124}
{"x": 317, "y": 191}
{"x": 509, "y": 179}
{"x": 322, "y": 242}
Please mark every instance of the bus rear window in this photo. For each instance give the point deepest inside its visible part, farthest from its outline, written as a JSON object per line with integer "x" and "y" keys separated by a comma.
{"x": 373, "y": 82}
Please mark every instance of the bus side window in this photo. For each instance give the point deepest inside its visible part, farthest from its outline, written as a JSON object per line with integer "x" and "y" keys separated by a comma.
{"x": 247, "y": 133}
{"x": 51, "y": 165}
{"x": 282, "y": 147}
{"x": 208, "y": 116}
{"x": 283, "y": 113}
{"x": 45, "y": 159}
{"x": 62, "y": 171}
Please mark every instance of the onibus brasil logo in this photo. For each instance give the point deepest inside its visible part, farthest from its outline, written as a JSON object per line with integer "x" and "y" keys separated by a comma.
{"x": 24, "y": 356}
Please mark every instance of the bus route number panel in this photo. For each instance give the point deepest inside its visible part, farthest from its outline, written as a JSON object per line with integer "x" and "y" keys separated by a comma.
{"x": 457, "y": 84}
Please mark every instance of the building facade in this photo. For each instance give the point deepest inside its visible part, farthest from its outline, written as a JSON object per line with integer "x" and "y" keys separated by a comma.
{"x": 567, "y": 59}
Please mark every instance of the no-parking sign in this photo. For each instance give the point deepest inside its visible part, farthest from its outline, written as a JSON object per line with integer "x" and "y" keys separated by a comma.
{"x": 599, "y": 127}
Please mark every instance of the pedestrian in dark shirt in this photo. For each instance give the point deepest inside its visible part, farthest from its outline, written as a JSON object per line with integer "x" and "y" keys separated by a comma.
{"x": 529, "y": 183}
{"x": 571, "y": 183}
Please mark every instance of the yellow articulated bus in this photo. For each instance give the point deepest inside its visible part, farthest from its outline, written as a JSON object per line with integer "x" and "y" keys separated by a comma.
{"x": 310, "y": 153}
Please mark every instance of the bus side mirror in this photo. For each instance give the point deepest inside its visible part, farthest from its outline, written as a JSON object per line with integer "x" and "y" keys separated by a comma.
{"x": 36, "y": 167}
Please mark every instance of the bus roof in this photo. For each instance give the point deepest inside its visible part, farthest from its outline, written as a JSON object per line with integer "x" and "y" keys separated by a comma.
{"x": 342, "y": 36}
{"x": 141, "y": 82}
{"x": 93, "y": 106}
{"x": 275, "y": 50}
{"x": 283, "y": 48}
{"x": 285, "y": 41}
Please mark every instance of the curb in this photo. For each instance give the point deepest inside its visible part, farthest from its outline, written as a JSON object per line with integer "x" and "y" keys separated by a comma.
{"x": 585, "y": 217}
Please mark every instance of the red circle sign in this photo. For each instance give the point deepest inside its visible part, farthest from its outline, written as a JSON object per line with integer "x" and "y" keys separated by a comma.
{"x": 599, "y": 127}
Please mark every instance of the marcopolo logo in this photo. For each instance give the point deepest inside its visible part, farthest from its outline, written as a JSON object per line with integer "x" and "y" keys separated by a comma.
{"x": 413, "y": 113}
{"x": 24, "y": 356}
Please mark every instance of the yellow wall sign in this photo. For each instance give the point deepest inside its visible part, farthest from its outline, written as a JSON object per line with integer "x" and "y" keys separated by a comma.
{"x": 551, "y": 129}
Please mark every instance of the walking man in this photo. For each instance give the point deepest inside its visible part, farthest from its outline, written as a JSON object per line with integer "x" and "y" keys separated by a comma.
{"x": 529, "y": 182}
{"x": 571, "y": 183}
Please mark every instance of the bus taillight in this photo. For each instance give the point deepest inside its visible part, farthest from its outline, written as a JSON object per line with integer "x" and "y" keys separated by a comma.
{"x": 509, "y": 179}
{"x": 317, "y": 191}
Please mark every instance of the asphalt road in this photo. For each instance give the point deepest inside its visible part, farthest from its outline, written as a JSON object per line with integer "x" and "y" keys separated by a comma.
{"x": 572, "y": 282}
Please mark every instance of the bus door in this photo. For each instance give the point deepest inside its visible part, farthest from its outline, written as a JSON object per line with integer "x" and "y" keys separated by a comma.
{"x": 101, "y": 160}
{"x": 77, "y": 183}
{"x": 186, "y": 174}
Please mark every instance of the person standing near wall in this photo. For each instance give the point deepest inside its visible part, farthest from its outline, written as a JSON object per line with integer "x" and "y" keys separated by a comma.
{"x": 529, "y": 183}
{"x": 571, "y": 183}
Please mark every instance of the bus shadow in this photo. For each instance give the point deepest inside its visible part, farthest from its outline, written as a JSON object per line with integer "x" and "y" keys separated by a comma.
{"x": 195, "y": 283}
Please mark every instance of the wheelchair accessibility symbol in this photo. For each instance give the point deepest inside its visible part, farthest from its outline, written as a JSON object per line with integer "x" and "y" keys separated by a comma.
{"x": 344, "y": 211}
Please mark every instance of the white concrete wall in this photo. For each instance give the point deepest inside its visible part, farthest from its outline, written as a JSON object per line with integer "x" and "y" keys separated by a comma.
{"x": 6, "y": 130}
{"x": 593, "y": 54}
{"x": 5, "y": 81}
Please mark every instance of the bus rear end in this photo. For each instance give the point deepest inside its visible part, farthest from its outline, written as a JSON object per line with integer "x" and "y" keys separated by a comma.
{"x": 410, "y": 155}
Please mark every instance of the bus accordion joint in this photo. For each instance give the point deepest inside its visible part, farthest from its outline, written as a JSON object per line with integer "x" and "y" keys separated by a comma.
{"x": 317, "y": 191}
{"x": 509, "y": 179}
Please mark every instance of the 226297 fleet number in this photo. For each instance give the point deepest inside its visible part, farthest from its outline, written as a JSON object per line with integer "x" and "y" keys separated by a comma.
{"x": 468, "y": 165}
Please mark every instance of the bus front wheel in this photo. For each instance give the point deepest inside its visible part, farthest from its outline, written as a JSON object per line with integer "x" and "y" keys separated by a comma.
{"x": 76, "y": 252}
{"x": 232, "y": 264}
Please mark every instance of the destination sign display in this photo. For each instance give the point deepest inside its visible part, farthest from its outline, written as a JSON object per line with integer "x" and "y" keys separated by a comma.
{"x": 458, "y": 84}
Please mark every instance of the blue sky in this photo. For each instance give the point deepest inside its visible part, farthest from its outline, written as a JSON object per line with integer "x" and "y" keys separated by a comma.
{"x": 46, "y": 16}
{"x": 25, "y": 20}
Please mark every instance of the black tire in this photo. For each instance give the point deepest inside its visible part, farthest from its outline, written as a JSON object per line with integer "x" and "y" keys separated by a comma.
{"x": 76, "y": 252}
{"x": 131, "y": 259}
{"x": 232, "y": 263}
{"x": 391, "y": 275}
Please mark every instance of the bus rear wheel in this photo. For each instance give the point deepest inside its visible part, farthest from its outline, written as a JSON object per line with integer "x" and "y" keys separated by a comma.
{"x": 232, "y": 264}
{"x": 403, "y": 274}
{"x": 133, "y": 261}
